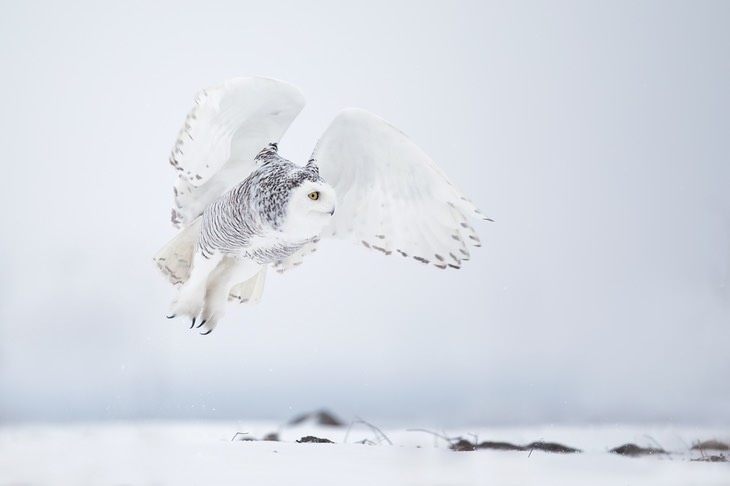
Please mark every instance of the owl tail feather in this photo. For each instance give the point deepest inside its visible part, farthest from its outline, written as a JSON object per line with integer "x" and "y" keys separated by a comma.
{"x": 175, "y": 258}
{"x": 250, "y": 291}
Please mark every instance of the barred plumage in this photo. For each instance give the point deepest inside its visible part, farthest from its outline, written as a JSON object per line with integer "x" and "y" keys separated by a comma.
{"x": 246, "y": 222}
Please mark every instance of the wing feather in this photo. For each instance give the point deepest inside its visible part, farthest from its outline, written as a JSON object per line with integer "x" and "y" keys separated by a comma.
{"x": 392, "y": 198}
{"x": 228, "y": 126}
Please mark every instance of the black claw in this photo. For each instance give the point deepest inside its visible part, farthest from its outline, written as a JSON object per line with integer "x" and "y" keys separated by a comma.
{"x": 193, "y": 323}
{"x": 170, "y": 317}
{"x": 201, "y": 324}
{"x": 206, "y": 332}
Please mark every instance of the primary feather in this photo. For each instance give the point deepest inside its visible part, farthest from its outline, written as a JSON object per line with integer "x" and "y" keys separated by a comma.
{"x": 242, "y": 207}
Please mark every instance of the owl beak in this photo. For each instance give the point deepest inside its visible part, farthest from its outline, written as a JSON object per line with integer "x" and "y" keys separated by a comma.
{"x": 333, "y": 211}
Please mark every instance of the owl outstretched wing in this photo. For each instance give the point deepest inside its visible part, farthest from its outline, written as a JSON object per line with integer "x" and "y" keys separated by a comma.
{"x": 391, "y": 197}
{"x": 222, "y": 134}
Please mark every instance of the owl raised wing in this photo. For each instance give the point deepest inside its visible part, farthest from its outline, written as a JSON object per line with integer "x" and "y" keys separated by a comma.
{"x": 392, "y": 198}
{"x": 222, "y": 134}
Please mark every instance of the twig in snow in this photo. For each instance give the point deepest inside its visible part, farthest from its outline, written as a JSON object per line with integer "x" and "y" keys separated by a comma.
{"x": 379, "y": 435}
{"x": 658, "y": 445}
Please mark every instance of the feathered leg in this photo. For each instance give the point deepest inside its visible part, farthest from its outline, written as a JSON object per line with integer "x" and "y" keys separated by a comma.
{"x": 228, "y": 273}
{"x": 190, "y": 296}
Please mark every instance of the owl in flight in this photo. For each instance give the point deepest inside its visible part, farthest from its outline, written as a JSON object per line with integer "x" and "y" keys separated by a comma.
{"x": 241, "y": 207}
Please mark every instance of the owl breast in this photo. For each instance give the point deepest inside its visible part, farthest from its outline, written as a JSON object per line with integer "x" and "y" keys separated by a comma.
{"x": 273, "y": 213}
{"x": 268, "y": 250}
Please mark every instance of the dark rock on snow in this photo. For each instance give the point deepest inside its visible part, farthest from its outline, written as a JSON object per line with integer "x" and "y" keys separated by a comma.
{"x": 634, "y": 450}
{"x": 316, "y": 440}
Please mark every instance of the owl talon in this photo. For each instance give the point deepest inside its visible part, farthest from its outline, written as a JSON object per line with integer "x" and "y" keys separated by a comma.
{"x": 202, "y": 323}
{"x": 206, "y": 332}
{"x": 193, "y": 323}
{"x": 171, "y": 317}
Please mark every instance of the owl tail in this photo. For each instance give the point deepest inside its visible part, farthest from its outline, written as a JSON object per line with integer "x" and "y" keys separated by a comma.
{"x": 175, "y": 258}
{"x": 250, "y": 291}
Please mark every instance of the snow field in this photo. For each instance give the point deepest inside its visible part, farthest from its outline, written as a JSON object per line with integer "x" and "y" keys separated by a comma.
{"x": 187, "y": 453}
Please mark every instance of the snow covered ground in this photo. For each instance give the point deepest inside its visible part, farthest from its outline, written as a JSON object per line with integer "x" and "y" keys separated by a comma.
{"x": 181, "y": 453}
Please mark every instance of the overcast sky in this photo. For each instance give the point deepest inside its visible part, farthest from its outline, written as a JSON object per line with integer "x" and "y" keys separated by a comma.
{"x": 595, "y": 134}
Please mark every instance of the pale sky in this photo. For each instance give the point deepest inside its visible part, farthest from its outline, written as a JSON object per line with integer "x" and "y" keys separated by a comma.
{"x": 595, "y": 134}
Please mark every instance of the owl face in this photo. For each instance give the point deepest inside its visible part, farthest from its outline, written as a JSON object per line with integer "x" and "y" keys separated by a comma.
{"x": 310, "y": 208}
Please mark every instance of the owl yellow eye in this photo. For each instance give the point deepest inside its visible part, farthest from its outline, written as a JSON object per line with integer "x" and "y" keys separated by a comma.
{"x": 314, "y": 195}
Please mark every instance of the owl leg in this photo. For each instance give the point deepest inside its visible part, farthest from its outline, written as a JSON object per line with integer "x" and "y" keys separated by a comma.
{"x": 228, "y": 273}
{"x": 191, "y": 294}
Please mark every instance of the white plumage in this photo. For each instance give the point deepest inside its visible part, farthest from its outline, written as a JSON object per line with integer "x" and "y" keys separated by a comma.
{"x": 242, "y": 207}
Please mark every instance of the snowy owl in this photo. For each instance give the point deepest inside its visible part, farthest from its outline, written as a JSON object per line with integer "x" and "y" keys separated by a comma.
{"x": 241, "y": 207}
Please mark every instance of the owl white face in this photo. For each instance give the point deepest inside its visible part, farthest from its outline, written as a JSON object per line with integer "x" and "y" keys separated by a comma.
{"x": 311, "y": 206}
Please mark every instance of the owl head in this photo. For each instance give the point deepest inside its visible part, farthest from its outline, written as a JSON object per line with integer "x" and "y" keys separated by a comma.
{"x": 293, "y": 200}
{"x": 311, "y": 204}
